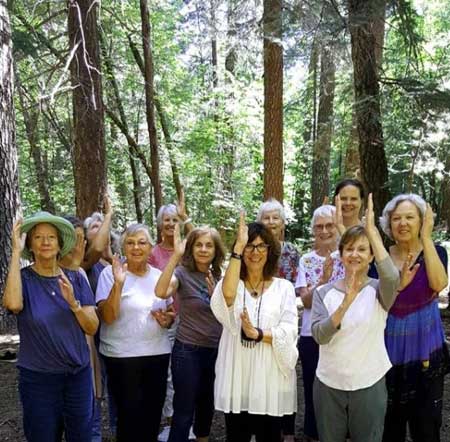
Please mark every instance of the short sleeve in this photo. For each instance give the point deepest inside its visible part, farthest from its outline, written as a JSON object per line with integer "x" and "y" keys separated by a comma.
{"x": 104, "y": 285}
{"x": 81, "y": 288}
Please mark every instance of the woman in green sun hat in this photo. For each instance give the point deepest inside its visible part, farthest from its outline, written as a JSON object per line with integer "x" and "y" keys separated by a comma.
{"x": 54, "y": 309}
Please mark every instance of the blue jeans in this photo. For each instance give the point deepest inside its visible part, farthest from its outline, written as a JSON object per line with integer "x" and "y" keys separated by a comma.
{"x": 193, "y": 374}
{"x": 56, "y": 403}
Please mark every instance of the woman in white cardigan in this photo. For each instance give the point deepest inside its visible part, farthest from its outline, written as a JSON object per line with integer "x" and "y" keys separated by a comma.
{"x": 255, "y": 369}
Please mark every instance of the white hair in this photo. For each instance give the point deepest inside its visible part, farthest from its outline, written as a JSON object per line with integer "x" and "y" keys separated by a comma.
{"x": 168, "y": 209}
{"x": 326, "y": 210}
{"x": 96, "y": 216}
{"x": 132, "y": 230}
{"x": 269, "y": 205}
{"x": 385, "y": 218}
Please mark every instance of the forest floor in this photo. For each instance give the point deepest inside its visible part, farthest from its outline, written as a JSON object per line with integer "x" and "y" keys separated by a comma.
{"x": 11, "y": 412}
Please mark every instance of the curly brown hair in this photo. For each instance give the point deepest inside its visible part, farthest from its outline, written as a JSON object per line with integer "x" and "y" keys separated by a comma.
{"x": 219, "y": 250}
{"x": 273, "y": 253}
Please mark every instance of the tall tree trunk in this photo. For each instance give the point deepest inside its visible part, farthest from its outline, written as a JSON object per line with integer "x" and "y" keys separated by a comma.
{"x": 374, "y": 172}
{"x": 9, "y": 181}
{"x": 320, "y": 178}
{"x": 445, "y": 209}
{"x": 273, "y": 100}
{"x": 30, "y": 118}
{"x": 150, "y": 103}
{"x": 352, "y": 161}
{"x": 88, "y": 121}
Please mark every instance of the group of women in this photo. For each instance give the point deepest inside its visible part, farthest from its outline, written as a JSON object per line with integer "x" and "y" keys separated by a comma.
{"x": 372, "y": 346}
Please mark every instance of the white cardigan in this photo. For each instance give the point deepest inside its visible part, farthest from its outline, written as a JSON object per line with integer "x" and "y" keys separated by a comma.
{"x": 262, "y": 379}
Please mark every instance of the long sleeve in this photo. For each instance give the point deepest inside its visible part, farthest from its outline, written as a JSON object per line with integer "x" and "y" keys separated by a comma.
{"x": 322, "y": 327}
{"x": 285, "y": 333}
{"x": 389, "y": 280}
{"x": 224, "y": 314}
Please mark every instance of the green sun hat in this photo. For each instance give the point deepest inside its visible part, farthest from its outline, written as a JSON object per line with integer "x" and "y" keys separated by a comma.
{"x": 64, "y": 227}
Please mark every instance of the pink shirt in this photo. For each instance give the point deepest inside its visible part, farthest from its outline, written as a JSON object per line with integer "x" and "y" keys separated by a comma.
{"x": 160, "y": 257}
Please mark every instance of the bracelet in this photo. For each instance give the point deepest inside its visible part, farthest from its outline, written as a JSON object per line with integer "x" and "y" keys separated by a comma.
{"x": 77, "y": 306}
{"x": 260, "y": 335}
{"x": 236, "y": 256}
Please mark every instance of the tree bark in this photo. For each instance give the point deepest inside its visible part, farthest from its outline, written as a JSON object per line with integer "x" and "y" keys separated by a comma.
{"x": 352, "y": 161}
{"x": 445, "y": 210}
{"x": 320, "y": 178}
{"x": 150, "y": 103}
{"x": 374, "y": 172}
{"x": 30, "y": 119}
{"x": 273, "y": 100}
{"x": 88, "y": 120}
{"x": 9, "y": 181}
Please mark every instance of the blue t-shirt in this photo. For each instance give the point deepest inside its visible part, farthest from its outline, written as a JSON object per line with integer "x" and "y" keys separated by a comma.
{"x": 94, "y": 273}
{"x": 51, "y": 340}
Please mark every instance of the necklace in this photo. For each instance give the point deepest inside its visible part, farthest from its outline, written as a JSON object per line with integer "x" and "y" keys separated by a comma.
{"x": 254, "y": 291}
{"x": 245, "y": 340}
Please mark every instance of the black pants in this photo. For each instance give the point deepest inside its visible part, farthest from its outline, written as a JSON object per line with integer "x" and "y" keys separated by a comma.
{"x": 423, "y": 415}
{"x": 241, "y": 426}
{"x": 138, "y": 386}
{"x": 309, "y": 357}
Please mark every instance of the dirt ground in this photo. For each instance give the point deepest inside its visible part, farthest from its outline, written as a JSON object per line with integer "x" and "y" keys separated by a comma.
{"x": 11, "y": 416}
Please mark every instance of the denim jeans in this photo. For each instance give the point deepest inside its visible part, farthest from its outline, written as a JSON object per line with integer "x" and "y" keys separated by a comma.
{"x": 193, "y": 374}
{"x": 54, "y": 404}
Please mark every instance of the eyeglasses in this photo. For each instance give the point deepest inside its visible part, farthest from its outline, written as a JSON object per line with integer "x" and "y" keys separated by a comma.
{"x": 321, "y": 227}
{"x": 132, "y": 244}
{"x": 261, "y": 247}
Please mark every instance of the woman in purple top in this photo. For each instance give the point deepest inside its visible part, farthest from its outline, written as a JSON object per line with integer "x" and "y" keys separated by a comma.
{"x": 414, "y": 335}
{"x": 55, "y": 310}
{"x": 197, "y": 338}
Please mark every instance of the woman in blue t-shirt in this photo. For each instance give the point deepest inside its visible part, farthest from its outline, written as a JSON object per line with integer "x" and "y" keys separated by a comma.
{"x": 54, "y": 310}
{"x": 197, "y": 339}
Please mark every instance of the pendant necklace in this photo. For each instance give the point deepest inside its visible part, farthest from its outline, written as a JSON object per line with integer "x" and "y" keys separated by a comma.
{"x": 245, "y": 340}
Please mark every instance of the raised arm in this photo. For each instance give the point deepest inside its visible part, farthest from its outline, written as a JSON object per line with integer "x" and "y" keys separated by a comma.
{"x": 231, "y": 278}
{"x": 12, "y": 296}
{"x": 101, "y": 240}
{"x": 109, "y": 309}
{"x": 388, "y": 274}
{"x": 436, "y": 272}
{"x": 182, "y": 213}
{"x": 167, "y": 283}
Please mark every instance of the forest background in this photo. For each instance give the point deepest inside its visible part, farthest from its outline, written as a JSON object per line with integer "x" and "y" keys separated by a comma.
{"x": 236, "y": 101}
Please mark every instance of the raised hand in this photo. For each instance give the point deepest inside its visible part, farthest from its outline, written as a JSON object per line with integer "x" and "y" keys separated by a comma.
{"x": 67, "y": 290}
{"x": 427, "y": 223}
{"x": 247, "y": 325}
{"x": 79, "y": 248}
{"x": 338, "y": 219}
{"x": 370, "y": 227}
{"x": 107, "y": 206}
{"x": 179, "y": 245}
{"x": 18, "y": 239}
{"x": 181, "y": 206}
{"x": 242, "y": 234}
{"x": 211, "y": 282}
{"x": 407, "y": 272}
{"x": 352, "y": 287}
{"x": 119, "y": 270}
{"x": 327, "y": 269}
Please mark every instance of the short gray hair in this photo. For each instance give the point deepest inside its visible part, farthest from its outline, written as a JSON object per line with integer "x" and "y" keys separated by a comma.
{"x": 96, "y": 216}
{"x": 132, "y": 230}
{"x": 168, "y": 209}
{"x": 325, "y": 210}
{"x": 269, "y": 205}
{"x": 385, "y": 218}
